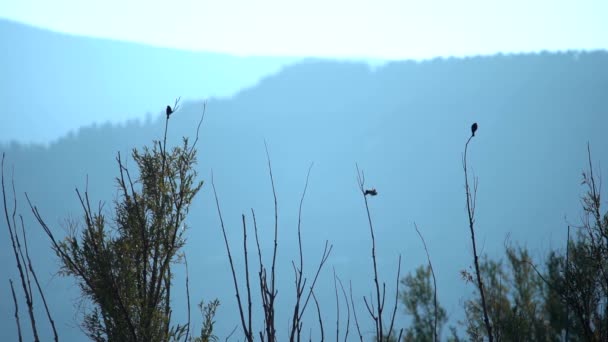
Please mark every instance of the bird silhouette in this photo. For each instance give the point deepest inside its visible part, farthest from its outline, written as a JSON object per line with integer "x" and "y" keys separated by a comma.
{"x": 473, "y": 129}
{"x": 169, "y": 111}
{"x": 371, "y": 192}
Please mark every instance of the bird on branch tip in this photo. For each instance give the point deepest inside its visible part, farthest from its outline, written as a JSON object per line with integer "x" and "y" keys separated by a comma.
{"x": 169, "y": 111}
{"x": 473, "y": 129}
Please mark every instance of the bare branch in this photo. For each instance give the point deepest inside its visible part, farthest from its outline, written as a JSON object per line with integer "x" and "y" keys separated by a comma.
{"x": 326, "y": 252}
{"x": 319, "y": 314}
{"x": 23, "y": 274}
{"x": 390, "y": 329}
{"x": 272, "y": 295}
{"x": 428, "y": 257}
{"x": 300, "y": 282}
{"x": 236, "y": 286}
{"x": 471, "y": 198}
{"x": 16, "y": 311}
{"x": 31, "y": 269}
{"x": 379, "y": 297}
{"x": 247, "y": 275}
{"x": 199, "y": 126}
{"x": 337, "y": 308}
{"x": 231, "y": 333}
{"x": 187, "y": 296}
{"x": 352, "y": 303}
{"x": 347, "y": 309}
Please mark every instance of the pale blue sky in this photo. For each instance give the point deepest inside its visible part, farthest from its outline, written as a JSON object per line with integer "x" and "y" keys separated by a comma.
{"x": 392, "y": 29}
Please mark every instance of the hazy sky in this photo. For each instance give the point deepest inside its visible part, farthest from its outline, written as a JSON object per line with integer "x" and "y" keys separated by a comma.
{"x": 354, "y": 28}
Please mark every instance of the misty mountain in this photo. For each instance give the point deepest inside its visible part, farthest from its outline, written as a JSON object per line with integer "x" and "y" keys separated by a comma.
{"x": 405, "y": 124}
{"x": 48, "y": 78}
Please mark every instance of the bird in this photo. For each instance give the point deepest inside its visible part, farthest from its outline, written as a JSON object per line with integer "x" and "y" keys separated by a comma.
{"x": 371, "y": 192}
{"x": 169, "y": 111}
{"x": 473, "y": 129}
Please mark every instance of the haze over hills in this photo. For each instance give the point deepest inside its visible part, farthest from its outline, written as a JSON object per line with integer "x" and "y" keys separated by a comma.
{"x": 404, "y": 123}
{"x": 48, "y": 78}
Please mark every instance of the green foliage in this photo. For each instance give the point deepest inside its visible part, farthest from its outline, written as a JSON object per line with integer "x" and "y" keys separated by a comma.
{"x": 567, "y": 299}
{"x": 418, "y": 299}
{"x": 123, "y": 268}
{"x": 527, "y": 305}
{"x": 208, "y": 311}
{"x": 516, "y": 297}
{"x": 578, "y": 288}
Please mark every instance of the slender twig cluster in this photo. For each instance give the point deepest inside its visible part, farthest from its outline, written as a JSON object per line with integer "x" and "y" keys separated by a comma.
{"x": 377, "y": 311}
{"x": 267, "y": 278}
{"x": 24, "y": 265}
{"x": 336, "y": 282}
{"x": 300, "y": 280}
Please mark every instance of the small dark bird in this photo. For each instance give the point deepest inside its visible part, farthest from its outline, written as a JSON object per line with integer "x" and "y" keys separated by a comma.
{"x": 474, "y": 129}
{"x": 371, "y": 192}
{"x": 169, "y": 111}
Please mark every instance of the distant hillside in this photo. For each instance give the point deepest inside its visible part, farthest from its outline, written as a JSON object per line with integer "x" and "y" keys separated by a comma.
{"x": 405, "y": 124}
{"x": 48, "y": 79}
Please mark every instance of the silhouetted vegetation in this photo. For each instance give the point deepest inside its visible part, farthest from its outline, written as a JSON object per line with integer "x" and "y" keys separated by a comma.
{"x": 561, "y": 298}
{"x": 24, "y": 265}
{"x": 123, "y": 266}
{"x": 125, "y": 271}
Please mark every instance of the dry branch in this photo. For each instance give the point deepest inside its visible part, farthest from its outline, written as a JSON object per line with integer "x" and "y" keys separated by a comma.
{"x": 471, "y": 198}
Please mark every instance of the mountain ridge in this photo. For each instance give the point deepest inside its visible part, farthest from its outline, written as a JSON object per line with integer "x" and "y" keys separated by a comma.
{"x": 57, "y": 74}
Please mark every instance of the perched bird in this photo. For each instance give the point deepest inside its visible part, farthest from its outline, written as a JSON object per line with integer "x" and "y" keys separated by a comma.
{"x": 169, "y": 111}
{"x": 371, "y": 192}
{"x": 473, "y": 129}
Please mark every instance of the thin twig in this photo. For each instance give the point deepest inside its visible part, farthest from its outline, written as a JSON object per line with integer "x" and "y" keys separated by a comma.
{"x": 16, "y": 311}
{"x": 326, "y": 252}
{"x": 247, "y": 274}
{"x": 319, "y": 314}
{"x": 568, "y": 284}
{"x": 187, "y": 296}
{"x": 471, "y": 198}
{"x": 273, "y": 293}
{"x": 199, "y": 126}
{"x": 352, "y": 303}
{"x": 300, "y": 282}
{"x": 347, "y": 309}
{"x": 390, "y": 330}
{"x": 231, "y": 333}
{"x": 236, "y": 286}
{"x": 428, "y": 257}
{"x": 378, "y": 316}
{"x": 337, "y": 308}
{"x": 31, "y": 269}
{"x": 16, "y": 250}
{"x": 261, "y": 275}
